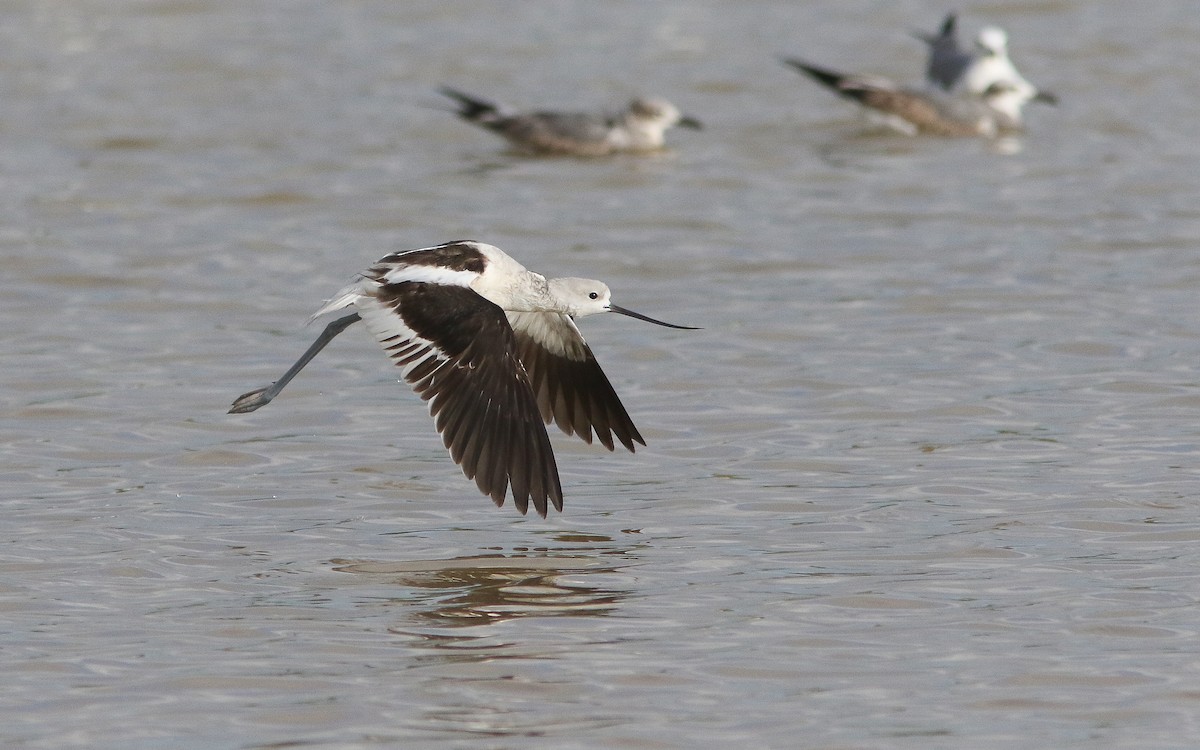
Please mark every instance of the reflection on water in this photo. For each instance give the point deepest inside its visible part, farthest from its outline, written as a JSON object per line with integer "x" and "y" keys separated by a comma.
{"x": 451, "y": 609}
{"x": 485, "y": 589}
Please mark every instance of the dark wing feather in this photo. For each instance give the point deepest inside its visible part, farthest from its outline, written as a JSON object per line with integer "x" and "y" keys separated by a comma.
{"x": 459, "y": 353}
{"x": 572, "y": 391}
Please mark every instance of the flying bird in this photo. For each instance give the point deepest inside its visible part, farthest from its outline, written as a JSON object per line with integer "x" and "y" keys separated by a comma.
{"x": 495, "y": 351}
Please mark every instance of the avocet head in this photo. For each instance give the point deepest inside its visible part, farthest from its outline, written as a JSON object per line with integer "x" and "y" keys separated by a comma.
{"x": 581, "y": 297}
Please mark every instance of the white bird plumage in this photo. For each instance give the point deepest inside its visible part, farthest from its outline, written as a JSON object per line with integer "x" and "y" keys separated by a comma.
{"x": 978, "y": 70}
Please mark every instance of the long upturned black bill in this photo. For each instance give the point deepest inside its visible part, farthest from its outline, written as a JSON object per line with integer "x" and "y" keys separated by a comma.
{"x": 639, "y": 316}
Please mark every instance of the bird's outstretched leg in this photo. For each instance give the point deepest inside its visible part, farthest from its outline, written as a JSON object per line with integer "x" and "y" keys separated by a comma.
{"x": 262, "y": 396}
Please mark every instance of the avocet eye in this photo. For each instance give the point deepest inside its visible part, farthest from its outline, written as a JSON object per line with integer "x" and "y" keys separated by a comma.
{"x": 593, "y": 295}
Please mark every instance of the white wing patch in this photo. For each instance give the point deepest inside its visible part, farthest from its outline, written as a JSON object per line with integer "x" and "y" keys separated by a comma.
{"x": 429, "y": 275}
{"x": 400, "y": 271}
{"x": 554, "y": 332}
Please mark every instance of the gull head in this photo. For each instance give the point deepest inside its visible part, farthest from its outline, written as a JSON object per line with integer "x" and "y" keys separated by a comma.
{"x": 660, "y": 111}
{"x": 992, "y": 41}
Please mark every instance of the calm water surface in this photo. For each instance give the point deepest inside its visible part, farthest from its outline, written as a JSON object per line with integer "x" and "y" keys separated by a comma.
{"x": 926, "y": 479}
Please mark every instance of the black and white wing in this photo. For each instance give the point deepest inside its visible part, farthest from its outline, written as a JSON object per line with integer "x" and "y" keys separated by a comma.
{"x": 572, "y": 390}
{"x": 458, "y": 352}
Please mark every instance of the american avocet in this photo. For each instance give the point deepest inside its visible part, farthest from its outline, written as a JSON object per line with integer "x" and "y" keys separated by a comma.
{"x": 996, "y": 111}
{"x": 495, "y": 351}
{"x": 951, "y": 68}
{"x": 640, "y": 127}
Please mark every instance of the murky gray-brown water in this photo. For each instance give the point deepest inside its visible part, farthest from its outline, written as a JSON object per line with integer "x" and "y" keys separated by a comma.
{"x": 926, "y": 479}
